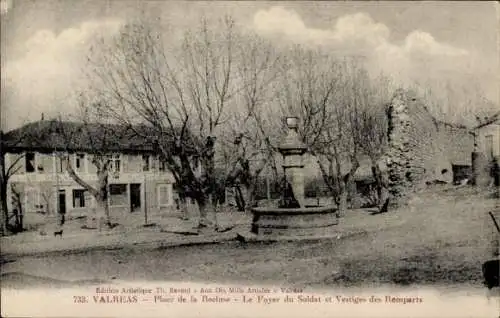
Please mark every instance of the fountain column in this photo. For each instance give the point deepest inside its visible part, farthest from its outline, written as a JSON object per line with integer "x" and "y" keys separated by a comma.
{"x": 292, "y": 219}
{"x": 292, "y": 149}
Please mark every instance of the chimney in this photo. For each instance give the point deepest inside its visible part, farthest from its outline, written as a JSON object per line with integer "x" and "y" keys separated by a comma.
{"x": 42, "y": 117}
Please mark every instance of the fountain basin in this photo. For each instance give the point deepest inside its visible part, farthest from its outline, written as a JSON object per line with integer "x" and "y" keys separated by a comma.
{"x": 294, "y": 222}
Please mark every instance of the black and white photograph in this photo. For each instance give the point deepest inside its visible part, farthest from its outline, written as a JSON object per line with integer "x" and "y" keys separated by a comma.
{"x": 250, "y": 158}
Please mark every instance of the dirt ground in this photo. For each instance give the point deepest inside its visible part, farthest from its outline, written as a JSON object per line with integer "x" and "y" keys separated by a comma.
{"x": 442, "y": 237}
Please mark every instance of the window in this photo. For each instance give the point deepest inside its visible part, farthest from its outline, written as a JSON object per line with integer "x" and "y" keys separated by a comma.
{"x": 118, "y": 194}
{"x": 489, "y": 146}
{"x": 114, "y": 163}
{"x": 145, "y": 162}
{"x": 154, "y": 163}
{"x": 162, "y": 164}
{"x": 30, "y": 162}
{"x": 59, "y": 164}
{"x": 80, "y": 162}
{"x": 164, "y": 195}
{"x": 33, "y": 200}
{"x": 79, "y": 198}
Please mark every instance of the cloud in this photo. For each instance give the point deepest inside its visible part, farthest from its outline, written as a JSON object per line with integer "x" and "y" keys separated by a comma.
{"x": 462, "y": 77}
{"x": 358, "y": 34}
{"x": 424, "y": 43}
{"x": 278, "y": 19}
{"x": 50, "y": 70}
{"x": 360, "y": 28}
{"x": 357, "y": 29}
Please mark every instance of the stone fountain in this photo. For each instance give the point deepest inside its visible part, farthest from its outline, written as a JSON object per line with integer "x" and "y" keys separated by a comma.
{"x": 292, "y": 219}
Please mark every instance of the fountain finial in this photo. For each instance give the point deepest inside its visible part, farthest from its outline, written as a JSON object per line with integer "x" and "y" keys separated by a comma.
{"x": 291, "y": 143}
{"x": 292, "y": 122}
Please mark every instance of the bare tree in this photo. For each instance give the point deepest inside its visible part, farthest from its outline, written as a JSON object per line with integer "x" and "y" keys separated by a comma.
{"x": 254, "y": 124}
{"x": 18, "y": 211}
{"x": 6, "y": 172}
{"x": 374, "y": 130}
{"x": 177, "y": 94}
{"x": 340, "y": 143}
{"x": 455, "y": 102}
{"x": 332, "y": 97}
{"x": 192, "y": 95}
{"x": 97, "y": 138}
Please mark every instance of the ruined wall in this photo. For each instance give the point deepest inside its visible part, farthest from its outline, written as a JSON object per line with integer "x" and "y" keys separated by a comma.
{"x": 421, "y": 148}
{"x": 457, "y": 142}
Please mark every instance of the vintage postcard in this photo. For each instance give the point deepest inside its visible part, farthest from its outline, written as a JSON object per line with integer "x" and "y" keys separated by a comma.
{"x": 249, "y": 159}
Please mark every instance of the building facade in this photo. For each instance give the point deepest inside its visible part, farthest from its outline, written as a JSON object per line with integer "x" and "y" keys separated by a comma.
{"x": 487, "y": 152}
{"x": 138, "y": 180}
{"x": 488, "y": 138}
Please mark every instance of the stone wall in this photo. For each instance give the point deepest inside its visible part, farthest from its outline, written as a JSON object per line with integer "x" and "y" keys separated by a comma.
{"x": 421, "y": 148}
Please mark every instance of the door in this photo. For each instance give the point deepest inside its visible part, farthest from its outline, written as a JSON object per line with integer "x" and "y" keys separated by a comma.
{"x": 62, "y": 207}
{"x": 135, "y": 197}
{"x": 62, "y": 201}
{"x": 489, "y": 146}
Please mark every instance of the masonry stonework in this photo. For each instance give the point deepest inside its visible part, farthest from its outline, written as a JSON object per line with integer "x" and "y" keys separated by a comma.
{"x": 421, "y": 148}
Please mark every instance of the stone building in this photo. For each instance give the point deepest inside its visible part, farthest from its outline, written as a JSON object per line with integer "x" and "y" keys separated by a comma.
{"x": 422, "y": 149}
{"x": 487, "y": 149}
{"x": 138, "y": 178}
{"x": 488, "y": 137}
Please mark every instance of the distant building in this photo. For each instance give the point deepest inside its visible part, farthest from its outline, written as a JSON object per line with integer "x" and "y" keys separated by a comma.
{"x": 138, "y": 178}
{"x": 488, "y": 137}
{"x": 487, "y": 151}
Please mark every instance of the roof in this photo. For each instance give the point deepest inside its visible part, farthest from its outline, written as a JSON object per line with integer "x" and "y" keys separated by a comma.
{"x": 50, "y": 135}
{"x": 492, "y": 120}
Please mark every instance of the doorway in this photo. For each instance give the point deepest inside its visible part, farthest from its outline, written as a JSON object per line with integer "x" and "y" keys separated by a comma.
{"x": 62, "y": 202}
{"x": 135, "y": 197}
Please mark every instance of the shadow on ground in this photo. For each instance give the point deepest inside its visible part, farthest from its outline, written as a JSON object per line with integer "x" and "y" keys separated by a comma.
{"x": 17, "y": 280}
{"x": 437, "y": 239}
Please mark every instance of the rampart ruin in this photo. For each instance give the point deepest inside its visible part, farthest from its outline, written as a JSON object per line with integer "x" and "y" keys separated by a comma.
{"x": 421, "y": 149}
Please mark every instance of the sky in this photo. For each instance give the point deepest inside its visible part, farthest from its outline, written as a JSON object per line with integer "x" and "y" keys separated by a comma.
{"x": 44, "y": 43}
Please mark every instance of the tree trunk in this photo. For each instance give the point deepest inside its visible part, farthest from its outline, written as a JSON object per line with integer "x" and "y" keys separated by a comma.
{"x": 204, "y": 208}
{"x": 239, "y": 198}
{"x": 377, "y": 176}
{"x": 107, "y": 214}
{"x": 342, "y": 201}
{"x": 183, "y": 207}
{"x": 382, "y": 187}
{"x": 5, "y": 212}
{"x": 3, "y": 194}
{"x": 250, "y": 197}
{"x": 344, "y": 184}
{"x": 21, "y": 221}
{"x": 97, "y": 217}
{"x": 100, "y": 194}
{"x": 103, "y": 215}
{"x": 90, "y": 222}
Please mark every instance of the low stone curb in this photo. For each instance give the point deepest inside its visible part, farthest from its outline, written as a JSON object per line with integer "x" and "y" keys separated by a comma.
{"x": 247, "y": 237}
